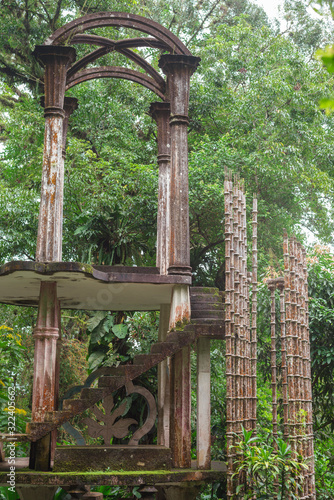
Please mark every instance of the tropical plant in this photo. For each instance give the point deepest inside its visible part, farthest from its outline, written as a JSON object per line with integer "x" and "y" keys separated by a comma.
{"x": 267, "y": 467}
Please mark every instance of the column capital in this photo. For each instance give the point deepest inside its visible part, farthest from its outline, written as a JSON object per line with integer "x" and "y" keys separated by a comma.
{"x": 158, "y": 109}
{"x": 47, "y": 54}
{"x": 174, "y": 62}
{"x": 55, "y": 59}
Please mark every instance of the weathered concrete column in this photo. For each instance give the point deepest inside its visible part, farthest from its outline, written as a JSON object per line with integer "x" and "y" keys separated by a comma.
{"x": 33, "y": 492}
{"x": 46, "y": 335}
{"x": 182, "y": 491}
{"x": 179, "y": 69}
{"x": 56, "y": 60}
{"x": 160, "y": 111}
{"x": 203, "y": 404}
{"x": 70, "y": 105}
{"x": 180, "y": 412}
{"x": 163, "y": 381}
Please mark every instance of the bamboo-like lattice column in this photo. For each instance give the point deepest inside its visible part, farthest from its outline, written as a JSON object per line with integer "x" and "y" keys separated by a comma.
{"x": 296, "y": 362}
{"x": 240, "y": 331}
{"x": 254, "y": 315}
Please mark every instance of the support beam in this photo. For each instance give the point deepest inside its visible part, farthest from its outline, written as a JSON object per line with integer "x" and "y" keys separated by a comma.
{"x": 203, "y": 404}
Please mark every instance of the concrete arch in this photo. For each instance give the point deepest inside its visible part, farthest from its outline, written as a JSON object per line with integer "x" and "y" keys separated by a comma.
{"x": 116, "y": 72}
{"x": 64, "y": 35}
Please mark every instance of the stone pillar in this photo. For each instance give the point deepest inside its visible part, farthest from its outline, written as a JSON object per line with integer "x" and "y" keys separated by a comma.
{"x": 160, "y": 111}
{"x": 70, "y": 105}
{"x": 180, "y": 373}
{"x": 182, "y": 491}
{"x": 179, "y": 69}
{"x": 46, "y": 335}
{"x": 163, "y": 382}
{"x": 203, "y": 404}
{"x": 148, "y": 492}
{"x": 56, "y": 60}
{"x": 33, "y": 492}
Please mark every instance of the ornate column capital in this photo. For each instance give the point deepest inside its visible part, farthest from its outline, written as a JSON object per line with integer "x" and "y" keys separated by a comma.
{"x": 55, "y": 59}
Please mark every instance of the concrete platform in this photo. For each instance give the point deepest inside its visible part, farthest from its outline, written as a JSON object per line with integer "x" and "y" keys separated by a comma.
{"x": 24, "y": 476}
{"x": 82, "y": 286}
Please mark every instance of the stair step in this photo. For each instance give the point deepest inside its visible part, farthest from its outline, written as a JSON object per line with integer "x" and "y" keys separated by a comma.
{"x": 92, "y": 394}
{"x": 203, "y": 289}
{"x": 55, "y": 416}
{"x": 114, "y": 370}
{"x": 142, "y": 359}
{"x": 76, "y": 406}
{"x": 113, "y": 380}
{"x": 207, "y": 321}
{"x": 218, "y": 314}
{"x": 161, "y": 347}
{"x": 203, "y": 304}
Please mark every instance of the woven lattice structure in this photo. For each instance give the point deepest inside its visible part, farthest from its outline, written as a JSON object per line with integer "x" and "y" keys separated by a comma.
{"x": 240, "y": 328}
{"x": 296, "y": 362}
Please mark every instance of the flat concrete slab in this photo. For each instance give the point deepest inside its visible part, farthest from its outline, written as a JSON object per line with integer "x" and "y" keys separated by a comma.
{"x": 24, "y": 476}
{"x": 82, "y": 286}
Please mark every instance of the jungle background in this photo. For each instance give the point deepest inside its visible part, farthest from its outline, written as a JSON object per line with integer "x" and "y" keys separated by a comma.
{"x": 260, "y": 105}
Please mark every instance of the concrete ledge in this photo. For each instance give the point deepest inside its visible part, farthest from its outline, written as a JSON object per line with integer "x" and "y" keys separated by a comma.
{"x": 116, "y": 458}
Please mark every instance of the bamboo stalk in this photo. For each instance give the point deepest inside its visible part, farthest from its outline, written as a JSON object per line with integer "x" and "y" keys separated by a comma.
{"x": 272, "y": 288}
{"x": 283, "y": 365}
{"x": 237, "y": 428}
{"x": 254, "y": 314}
{"x": 228, "y": 335}
{"x": 311, "y": 476}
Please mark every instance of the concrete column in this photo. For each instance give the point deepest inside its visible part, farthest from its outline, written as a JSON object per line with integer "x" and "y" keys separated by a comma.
{"x": 34, "y": 492}
{"x": 180, "y": 412}
{"x": 56, "y": 60}
{"x": 46, "y": 335}
{"x": 182, "y": 492}
{"x": 148, "y": 492}
{"x": 163, "y": 382}
{"x": 160, "y": 111}
{"x": 203, "y": 404}
{"x": 179, "y": 69}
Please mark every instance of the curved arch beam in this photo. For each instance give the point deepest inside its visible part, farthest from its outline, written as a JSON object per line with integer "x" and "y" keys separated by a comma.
{"x": 89, "y": 58}
{"x": 123, "y": 43}
{"x": 116, "y": 72}
{"x": 98, "y": 20}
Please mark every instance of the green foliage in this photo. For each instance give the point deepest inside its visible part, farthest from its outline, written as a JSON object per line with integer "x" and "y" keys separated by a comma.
{"x": 324, "y": 466}
{"x": 321, "y": 291}
{"x": 264, "y": 464}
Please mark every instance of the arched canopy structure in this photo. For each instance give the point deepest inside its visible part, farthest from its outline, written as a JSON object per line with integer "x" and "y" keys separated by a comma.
{"x": 65, "y": 34}
{"x": 160, "y": 38}
{"x": 116, "y": 72}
